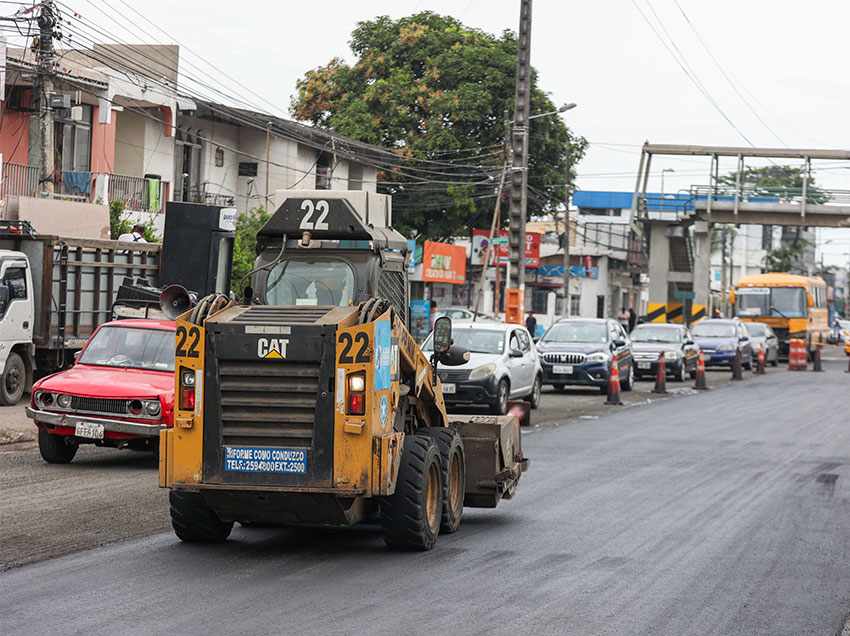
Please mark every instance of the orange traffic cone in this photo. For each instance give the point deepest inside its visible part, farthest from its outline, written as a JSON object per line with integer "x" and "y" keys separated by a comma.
{"x": 761, "y": 362}
{"x": 614, "y": 384}
{"x": 700, "y": 383}
{"x": 661, "y": 375}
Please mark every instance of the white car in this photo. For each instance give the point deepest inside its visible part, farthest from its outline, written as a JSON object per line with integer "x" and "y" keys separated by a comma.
{"x": 503, "y": 365}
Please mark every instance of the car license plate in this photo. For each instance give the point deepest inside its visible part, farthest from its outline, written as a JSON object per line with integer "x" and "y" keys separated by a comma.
{"x": 249, "y": 459}
{"x": 88, "y": 430}
{"x": 449, "y": 389}
{"x": 644, "y": 365}
{"x": 561, "y": 369}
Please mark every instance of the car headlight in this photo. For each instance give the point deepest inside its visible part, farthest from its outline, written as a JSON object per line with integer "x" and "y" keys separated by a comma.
{"x": 671, "y": 355}
{"x": 153, "y": 408}
{"x": 726, "y": 347}
{"x": 45, "y": 398}
{"x": 63, "y": 401}
{"x": 599, "y": 356}
{"x": 482, "y": 372}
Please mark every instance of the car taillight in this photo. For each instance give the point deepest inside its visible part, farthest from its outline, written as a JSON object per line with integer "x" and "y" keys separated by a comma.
{"x": 357, "y": 393}
{"x": 187, "y": 389}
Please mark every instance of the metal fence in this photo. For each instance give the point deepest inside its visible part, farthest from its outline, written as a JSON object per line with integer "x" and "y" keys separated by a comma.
{"x": 19, "y": 180}
{"x": 136, "y": 193}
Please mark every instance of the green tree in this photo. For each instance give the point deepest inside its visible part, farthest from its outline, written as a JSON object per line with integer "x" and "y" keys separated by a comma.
{"x": 438, "y": 93}
{"x": 244, "y": 246}
{"x": 786, "y": 258}
{"x": 119, "y": 224}
{"x": 785, "y": 182}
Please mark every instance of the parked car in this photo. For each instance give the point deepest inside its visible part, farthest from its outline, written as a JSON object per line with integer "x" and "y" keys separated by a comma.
{"x": 503, "y": 365}
{"x": 119, "y": 393}
{"x": 720, "y": 338}
{"x": 461, "y": 313}
{"x": 763, "y": 337}
{"x": 579, "y": 352}
{"x": 650, "y": 340}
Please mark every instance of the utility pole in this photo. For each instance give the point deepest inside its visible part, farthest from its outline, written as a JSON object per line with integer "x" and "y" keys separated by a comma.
{"x": 515, "y": 296}
{"x": 566, "y": 310}
{"x": 268, "y": 162}
{"x": 43, "y": 89}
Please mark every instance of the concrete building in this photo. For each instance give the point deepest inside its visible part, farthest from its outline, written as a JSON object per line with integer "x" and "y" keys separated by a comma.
{"x": 141, "y": 144}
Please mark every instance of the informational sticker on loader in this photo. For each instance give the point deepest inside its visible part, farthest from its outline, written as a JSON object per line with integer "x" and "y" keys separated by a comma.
{"x": 249, "y": 459}
{"x": 272, "y": 348}
{"x": 383, "y": 354}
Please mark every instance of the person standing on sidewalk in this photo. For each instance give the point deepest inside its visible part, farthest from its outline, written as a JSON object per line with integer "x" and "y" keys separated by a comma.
{"x": 531, "y": 323}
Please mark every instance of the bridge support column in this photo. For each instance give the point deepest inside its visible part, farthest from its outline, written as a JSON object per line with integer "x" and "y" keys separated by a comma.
{"x": 702, "y": 270}
{"x": 659, "y": 268}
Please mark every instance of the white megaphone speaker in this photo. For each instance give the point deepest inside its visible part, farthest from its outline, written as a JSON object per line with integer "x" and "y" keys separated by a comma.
{"x": 175, "y": 300}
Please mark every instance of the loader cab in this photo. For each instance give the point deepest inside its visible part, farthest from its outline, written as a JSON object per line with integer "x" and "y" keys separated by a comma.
{"x": 338, "y": 259}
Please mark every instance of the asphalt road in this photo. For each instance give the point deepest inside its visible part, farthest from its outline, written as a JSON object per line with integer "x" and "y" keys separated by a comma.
{"x": 719, "y": 513}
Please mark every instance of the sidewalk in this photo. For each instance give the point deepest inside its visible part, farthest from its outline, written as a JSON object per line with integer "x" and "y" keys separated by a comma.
{"x": 14, "y": 425}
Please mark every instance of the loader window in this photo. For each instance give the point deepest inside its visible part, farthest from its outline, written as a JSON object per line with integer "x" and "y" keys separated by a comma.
{"x": 301, "y": 282}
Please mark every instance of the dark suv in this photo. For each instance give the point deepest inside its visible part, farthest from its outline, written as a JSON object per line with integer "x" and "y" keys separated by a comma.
{"x": 579, "y": 352}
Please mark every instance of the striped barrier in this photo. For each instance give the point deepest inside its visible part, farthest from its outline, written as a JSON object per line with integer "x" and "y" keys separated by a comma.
{"x": 656, "y": 312}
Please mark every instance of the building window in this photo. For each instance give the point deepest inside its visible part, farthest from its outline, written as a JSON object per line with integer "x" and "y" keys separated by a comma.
{"x": 355, "y": 176}
{"x": 767, "y": 237}
{"x": 324, "y": 171}
{"x": 575, "y": 305}
{"x": 187, "y": 163}
{"x": 219, "y": 157}
{"x": 72, "y": 140}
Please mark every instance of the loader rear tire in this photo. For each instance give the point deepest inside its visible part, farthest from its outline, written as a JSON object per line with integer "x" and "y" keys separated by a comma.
{"x": 194, "y": 521}
{"x": 453, "y": 463}
{"x": 411, "y": 516}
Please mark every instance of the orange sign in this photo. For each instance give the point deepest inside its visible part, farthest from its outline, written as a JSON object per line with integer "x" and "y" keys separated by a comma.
{"x": 443, "y": 263}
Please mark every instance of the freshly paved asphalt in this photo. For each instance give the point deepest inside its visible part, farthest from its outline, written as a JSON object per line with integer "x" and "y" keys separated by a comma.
{"x": 726, "y": 512}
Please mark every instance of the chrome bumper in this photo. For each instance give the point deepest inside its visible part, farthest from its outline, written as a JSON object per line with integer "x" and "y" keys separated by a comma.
{"x": 70, "y": 420}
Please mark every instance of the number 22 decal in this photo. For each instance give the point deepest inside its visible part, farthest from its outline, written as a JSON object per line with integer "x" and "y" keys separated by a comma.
{"x": 193, "y": 336}
{"x": 322, "y": 208}
{"x": 347, "y": 342}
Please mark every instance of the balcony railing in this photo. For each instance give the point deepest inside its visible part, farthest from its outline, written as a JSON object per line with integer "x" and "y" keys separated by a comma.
{"x": 136, "y": 193}
{"x": 19, "y": 180}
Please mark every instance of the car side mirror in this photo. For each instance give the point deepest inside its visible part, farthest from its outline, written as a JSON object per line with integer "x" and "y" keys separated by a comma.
{"x": 690, "y": 343}
{"x": 442, "y": 335}
{"x": 516, "y": 353}
{"x": 77, "y": 355}
{"x": 743, "y": 339}
{"x": 619, "y": 342}
{"x": 454, "y": 357}
{"x": 535, "y": 339}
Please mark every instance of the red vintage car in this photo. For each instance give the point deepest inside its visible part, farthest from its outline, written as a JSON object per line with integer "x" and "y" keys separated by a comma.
{"x": 119, "y": 393}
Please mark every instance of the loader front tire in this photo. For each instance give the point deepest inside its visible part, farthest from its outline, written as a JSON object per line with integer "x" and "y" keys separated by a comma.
{"x": 194, "y": 521}
{"x": 411, "y": 516}
{"x": 453, "y": 463}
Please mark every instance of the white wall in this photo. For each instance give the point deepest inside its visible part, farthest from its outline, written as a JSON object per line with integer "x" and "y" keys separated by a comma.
{"x": 590, "y": 288}
{"x": 158, "y": 152}
{"x": 129, "y": 143}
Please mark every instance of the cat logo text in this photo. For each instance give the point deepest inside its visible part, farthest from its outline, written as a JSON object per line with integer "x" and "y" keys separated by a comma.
{"x": 272, "y": 348}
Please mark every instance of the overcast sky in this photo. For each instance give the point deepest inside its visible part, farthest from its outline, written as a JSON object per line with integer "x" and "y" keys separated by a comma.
{"x": 786, "y": 62}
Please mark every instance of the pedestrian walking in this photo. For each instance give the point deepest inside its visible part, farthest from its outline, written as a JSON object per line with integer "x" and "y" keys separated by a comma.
{"x": 531, "y": 323}
{"x": 632, "y": 319}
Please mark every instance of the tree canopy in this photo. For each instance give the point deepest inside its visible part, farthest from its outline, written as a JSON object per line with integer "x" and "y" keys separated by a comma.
{"x": 783, "y": 181}
{"x": 438, "y": 93}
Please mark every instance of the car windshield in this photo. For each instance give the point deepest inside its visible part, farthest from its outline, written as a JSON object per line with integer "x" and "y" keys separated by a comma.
{"x": 756, "y": 329}
{"x": 653, "y": 333}
{"x": 788, "y": 302}
{"x": 131, "y": 347}
{"x": 577, "y": 332}
{"x": 475, "y": 340}
{"x": 303, "y": 282}
{"x": 711, "y": 329}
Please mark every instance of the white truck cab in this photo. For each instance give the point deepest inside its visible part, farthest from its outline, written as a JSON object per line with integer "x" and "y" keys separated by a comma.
{"x": 16, "y": 326}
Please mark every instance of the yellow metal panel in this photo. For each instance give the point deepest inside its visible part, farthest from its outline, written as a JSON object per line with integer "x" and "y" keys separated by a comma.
{"x": 697, "y": 312}
{"x": 353, "y": 450}
{"x": 185, "y": 446}
{"x": 675, "y": 313}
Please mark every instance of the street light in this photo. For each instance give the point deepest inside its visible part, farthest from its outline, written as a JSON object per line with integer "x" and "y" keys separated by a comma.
{"x": 561, "y": 109}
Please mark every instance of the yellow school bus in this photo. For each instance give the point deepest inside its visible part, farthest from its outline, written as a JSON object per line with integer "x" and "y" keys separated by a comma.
{"x": 794, "y": 306}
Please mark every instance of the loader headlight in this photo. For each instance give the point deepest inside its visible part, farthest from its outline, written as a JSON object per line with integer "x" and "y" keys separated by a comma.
{"x": 357, "y": 382}
{"x": 356, "y": 401}
{"x": 483, "y": 372}
{"x": 187, "y": 377}
{"x": 599, "y": 356}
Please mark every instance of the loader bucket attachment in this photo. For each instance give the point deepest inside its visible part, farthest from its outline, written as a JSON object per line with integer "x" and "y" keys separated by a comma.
{"x": 494, "y": 459}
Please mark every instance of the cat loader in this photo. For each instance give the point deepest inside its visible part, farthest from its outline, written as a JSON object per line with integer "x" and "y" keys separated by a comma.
{"x": 310, "y": 403}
